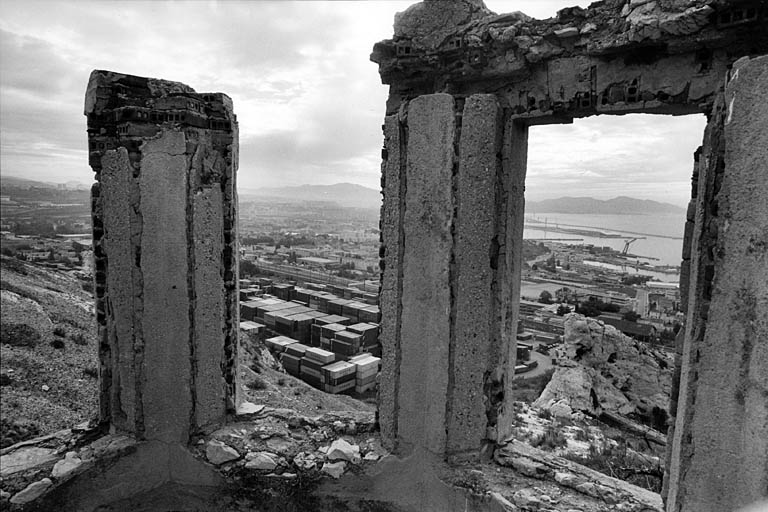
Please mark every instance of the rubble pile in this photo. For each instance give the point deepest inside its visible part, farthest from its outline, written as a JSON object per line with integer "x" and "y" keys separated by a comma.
{"x": 601, "y": 370}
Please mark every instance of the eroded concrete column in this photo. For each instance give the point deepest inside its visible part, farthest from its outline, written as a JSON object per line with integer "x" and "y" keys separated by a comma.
{"x": 448, "y": 223}
{"x": 164, "y": 221}
{"x": 719, "y": 455}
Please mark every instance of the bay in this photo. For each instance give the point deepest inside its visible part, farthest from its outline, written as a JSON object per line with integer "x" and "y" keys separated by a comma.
{"x": 658, "y": 236}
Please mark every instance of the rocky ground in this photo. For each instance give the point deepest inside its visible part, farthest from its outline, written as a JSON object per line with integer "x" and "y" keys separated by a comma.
{"x": 48, "y": 368}
{"x": 598, "y": 370}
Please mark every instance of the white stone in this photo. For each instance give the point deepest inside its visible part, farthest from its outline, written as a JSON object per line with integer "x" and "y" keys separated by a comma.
{"x": 371, "y": 456}
{"x": 304, "y": 460}
{"x": 335, "y": 469}
{"x": 249, "y": 408}
{"x": 566, "y": 479}
{"x": 342, "y": 450}
{"x": 567, "y": 32}
{"x": 32, "y": 492}
{"x": 219, "y": 453}
{"x": 560, "y": 409}
{"x": 24, "y": 458}
{"x": 264, "y": 461}
{"x": 66, "y": 466}
{"x": 45, "y": 387}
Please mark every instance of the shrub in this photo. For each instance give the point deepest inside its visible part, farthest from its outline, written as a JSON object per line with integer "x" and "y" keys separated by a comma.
{"x": 58, "y": 344}
{"x": 19, "y": 335}
{"x": 551, "y": 438}
{"x": 257, "y": 383}
{"x": 91, "y": 371}
{"x": 613, "y": 460}
{"x": 60, "y": 331}
{"x": 544, "y": 414}
{"x": 582, "y": 435}
{"x": 79, "y": 339}
{"x": 87, "y": 286}
{"x": 15, "y": 431}
{"x": 281, "y": 381}
{"x": 5, "y": 379}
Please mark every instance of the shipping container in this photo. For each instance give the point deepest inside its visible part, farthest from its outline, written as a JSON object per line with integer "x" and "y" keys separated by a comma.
{"x": 320, "y": 355}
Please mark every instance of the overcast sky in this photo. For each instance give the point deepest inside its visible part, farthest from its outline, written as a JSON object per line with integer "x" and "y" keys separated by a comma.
{"x": 309, "y": 102}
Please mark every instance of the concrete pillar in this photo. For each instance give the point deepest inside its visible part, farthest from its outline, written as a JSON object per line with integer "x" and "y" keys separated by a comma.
{"x": 719, "y": 456}
{"x": 448, "y": 309}
{"x": 165, "y": 244}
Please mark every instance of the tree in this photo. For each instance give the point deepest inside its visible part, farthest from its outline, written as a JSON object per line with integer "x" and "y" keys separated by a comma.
{"x": 545, "y": 297}
{"x": 631, "y": 316}
{"x": 587, "y": 309}
{"x": 563, "y": 310}
{"x": 247, "y": 268}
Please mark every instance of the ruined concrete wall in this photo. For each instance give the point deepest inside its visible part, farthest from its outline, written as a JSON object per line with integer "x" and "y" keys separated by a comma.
{"x": 165, "y": 242}
{"x": 450, "y": 210}
{"x": 719, "y": 455}
{"x": 616, "y": 57}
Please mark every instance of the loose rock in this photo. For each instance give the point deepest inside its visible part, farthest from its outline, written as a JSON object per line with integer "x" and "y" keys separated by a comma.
{"x": 66, "y": 466}
{"x": 263, "y": 461}
{"x": 219, "y": 453}
{"x": 32, "y": 492}
{"x": 342, "y": 450}
{"x": 335, "y": 469}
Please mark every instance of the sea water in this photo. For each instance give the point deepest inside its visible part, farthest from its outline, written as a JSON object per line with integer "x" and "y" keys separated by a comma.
{"x": 658, "y": 236}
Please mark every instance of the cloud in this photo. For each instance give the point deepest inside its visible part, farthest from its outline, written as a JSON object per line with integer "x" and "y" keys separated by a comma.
{"x": 309, "y": 102}
{"x": 643, "y": 156}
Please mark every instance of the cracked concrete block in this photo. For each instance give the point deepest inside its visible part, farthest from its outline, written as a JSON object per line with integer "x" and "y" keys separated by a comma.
{"x": 393, "y": 183}
{"x": 426, "y": 295}
{"x": 475, "y": 343}
{"x": 165, "y": 247}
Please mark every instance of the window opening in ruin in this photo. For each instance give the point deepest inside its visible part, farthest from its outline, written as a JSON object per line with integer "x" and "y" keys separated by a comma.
{"x": 605, "y": 214}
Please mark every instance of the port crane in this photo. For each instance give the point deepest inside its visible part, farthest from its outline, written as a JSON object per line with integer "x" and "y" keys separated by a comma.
{"x": 627, "y": 243}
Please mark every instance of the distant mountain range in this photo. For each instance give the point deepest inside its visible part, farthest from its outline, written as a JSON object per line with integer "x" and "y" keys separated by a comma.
{"x": 357, "y": 196}
{"x": 617, "y": 206}
{"x": 343, "y": 194}
{"x": 23, "y": 183}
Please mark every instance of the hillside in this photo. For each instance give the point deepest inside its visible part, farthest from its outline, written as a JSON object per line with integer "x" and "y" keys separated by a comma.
{"x": 25, "y": 184}
{"x": 48, "y": 369}
{"x": 344, "y": 194}
{"x": 48, "y": 358}
{"x": 621, "y": 205}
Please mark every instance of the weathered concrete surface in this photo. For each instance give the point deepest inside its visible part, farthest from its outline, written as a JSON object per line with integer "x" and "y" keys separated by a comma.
{"x": 391, "y": 223}
{"x": 165, "y": 246}
{"x": 165, "y": 320}
{"x": 511, "y": 217}
{"x": 724, "y": 463}
{"x": 426, "y": 297}
{"x": 614, "y": 57}
{"x": 209, "y": 306}
{"x": 117, "y": 177}
{"x": 475, "y": 351}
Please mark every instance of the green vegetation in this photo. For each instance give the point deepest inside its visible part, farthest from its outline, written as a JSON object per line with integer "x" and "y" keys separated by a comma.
{"x": 15, "y": 431}
{"x": 594, "y": 306}
{"x": 19, "y": 335}
{"x": 631, "y": 316}
{"x": 636, "y": 279}
{"x": 551, "y": 439}
{"x": 617, "y": 461}
{"x": 257, "y": 383}
{"x": 529, "y": 389}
